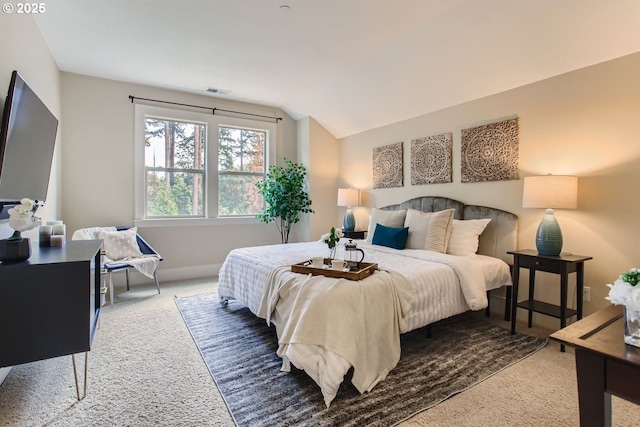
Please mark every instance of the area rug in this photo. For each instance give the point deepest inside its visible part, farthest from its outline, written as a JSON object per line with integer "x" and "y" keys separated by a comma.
{"x": 239, "y": 350}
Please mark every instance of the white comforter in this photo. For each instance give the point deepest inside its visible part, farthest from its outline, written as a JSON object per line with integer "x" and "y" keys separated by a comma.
{"x": 434, "y": 285}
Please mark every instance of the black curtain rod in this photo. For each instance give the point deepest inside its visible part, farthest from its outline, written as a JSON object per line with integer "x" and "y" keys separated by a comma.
{"x": 213, "y": 109}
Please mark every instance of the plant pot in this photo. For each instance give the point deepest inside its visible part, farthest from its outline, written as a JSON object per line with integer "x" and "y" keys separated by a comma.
{"x": 15, "y": 250}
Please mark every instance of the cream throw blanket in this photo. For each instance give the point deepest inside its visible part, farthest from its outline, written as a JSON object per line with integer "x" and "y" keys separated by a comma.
{"x": 145, "y": 264}
{"x": 358, "y": 320}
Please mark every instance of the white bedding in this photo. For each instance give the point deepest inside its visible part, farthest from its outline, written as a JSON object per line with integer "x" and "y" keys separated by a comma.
{"x": 441, "y": 286}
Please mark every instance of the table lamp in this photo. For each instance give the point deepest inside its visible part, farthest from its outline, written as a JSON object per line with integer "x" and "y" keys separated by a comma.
{"x": 349, "y": 197}
{"x": 550, "y": 192}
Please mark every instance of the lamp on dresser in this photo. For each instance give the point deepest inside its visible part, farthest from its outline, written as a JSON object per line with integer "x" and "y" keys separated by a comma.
{"x": 550, "y": 192}
{"x": 349, "y": 197}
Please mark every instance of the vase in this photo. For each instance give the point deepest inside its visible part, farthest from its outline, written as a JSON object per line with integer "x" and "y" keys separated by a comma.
{"x": 631, "y": 326}
{"x": 17, "y": 250}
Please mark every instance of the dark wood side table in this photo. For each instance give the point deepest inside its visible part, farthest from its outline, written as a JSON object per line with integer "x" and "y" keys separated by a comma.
{"x": 605, "y": 365}
{"x": 354, "y": 234}
{"x": 561, "y": 265}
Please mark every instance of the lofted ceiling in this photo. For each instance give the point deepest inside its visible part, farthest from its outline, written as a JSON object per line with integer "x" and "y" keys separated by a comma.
{"x": 352, "y": 65}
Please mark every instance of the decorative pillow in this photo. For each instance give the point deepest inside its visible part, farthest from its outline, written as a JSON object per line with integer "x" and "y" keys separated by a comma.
{"x": 393, "y": 219}
{"x": 465, "y": 236}
{"x": 390, "y": 236}
{"x": 120, "y": 244}
{"x": 429, "y": 230}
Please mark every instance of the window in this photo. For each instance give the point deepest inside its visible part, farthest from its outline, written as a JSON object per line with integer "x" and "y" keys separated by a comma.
{"x": 241, "y": 164}
{"x": 174, "y": 163}
{"x": 195, "y": 166}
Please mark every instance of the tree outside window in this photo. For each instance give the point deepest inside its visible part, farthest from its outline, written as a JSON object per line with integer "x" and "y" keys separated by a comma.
{"x": 184, "y": 179}
{"x": 241, "y": 164}
{"x": 174, "y": 168}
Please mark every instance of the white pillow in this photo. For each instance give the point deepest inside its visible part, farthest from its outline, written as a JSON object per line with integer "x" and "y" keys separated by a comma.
{"x": 394, "y": 219}
{"x": 120, "y": 244}
{"x": 429, "y": 230}
{"x": 465, "y": 236}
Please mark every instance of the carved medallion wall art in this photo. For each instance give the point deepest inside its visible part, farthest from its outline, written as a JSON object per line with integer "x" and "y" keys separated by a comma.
{"x": 431, "y": 159}
{"x": 490, "y": 152}
{"x": 387, "y": 166}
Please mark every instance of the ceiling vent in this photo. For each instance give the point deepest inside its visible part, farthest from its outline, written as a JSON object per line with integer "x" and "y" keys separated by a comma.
{"x": 218, "y": 91}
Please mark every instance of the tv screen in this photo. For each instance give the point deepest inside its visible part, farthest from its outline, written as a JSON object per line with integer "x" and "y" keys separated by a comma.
{"x": 27, "y": 139}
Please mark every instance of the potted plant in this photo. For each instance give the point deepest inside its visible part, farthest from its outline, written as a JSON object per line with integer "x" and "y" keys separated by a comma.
{"x": 285, "y": 197}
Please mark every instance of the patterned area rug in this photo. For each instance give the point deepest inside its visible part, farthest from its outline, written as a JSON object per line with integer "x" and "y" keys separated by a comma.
{"x": 240, "y": 351}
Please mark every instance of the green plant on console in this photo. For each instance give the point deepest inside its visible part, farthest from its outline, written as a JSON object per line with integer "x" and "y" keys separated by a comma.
{"x": 285, "y": 197}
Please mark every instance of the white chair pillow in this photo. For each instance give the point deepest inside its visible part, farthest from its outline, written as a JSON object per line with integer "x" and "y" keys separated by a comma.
{"x": 465, "y": 235}
{"x": 120, "y": 244}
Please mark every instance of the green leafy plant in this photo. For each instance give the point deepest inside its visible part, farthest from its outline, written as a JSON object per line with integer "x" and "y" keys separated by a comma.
{"x": 632, "y": 276}
{"x": 285, "y": 197}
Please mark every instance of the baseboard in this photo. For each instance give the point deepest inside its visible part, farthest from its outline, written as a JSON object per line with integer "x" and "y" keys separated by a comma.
{"x": 185, "y": 273}
{"x": 170, "y": 274}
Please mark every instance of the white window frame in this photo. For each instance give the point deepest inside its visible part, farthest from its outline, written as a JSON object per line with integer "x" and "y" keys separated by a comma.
{"x": 212, "y": 122}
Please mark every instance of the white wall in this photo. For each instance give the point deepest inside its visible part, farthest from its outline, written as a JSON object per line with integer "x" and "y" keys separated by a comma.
{"x": 583, "y": 123}
{"x": 99, "y": 169}
{"x": 23, "y": 49}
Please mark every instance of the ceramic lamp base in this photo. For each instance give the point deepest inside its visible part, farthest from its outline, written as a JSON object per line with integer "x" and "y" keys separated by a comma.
{"x": 15, "y": 250}
{"x": 349, "y": 223}
{"x": 549, "y": 235}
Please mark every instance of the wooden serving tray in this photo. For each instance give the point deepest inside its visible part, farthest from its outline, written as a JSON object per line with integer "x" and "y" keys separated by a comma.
{"x": 305, "y": 267}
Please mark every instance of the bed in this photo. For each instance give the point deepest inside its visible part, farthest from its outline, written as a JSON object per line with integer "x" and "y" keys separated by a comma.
{"x": 453, "y": 256}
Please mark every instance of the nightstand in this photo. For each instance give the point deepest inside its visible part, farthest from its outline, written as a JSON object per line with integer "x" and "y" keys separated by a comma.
{"x": 561, "y": 265}
{"x": 354, "y": 234}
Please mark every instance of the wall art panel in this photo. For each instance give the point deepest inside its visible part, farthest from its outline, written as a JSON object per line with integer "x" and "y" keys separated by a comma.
{"x": 431, "y": 159}
{"x": 490, "y": 152}
{"x": 387, "y": 166}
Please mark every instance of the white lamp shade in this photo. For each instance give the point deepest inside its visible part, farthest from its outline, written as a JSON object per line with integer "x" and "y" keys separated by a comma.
{"x": 348, "y": 197}
{"x": 550, "y": 191}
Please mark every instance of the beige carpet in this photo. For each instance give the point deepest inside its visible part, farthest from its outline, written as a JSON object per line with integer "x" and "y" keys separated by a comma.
{"x": 145, "y": 370}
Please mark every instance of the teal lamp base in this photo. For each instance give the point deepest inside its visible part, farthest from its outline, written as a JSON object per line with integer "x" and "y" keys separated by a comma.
{"x": 349, "y": 223}
{"x": 549, "y": 235}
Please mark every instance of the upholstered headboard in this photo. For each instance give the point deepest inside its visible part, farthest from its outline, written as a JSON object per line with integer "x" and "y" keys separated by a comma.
{"x": 500, "y": 236}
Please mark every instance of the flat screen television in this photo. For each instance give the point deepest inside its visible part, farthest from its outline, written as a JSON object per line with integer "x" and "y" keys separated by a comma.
{"x": 27, "y": 139}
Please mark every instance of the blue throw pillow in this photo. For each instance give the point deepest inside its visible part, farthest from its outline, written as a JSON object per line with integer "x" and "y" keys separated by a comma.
{"x": 391, "y": 237}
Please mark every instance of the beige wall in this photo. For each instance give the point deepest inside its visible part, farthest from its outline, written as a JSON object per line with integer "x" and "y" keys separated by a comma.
{"x": 584, "y": 123}
{"x": 24, "y": 50}
{"x": 99, "y": 169}
{"x": 319, "y": 149}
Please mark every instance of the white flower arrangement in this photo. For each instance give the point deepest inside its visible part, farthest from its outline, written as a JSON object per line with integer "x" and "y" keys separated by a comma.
{"x": 23, "y": 217}
{"x": 331, "y": 239}
{"x": 624, "y": 290}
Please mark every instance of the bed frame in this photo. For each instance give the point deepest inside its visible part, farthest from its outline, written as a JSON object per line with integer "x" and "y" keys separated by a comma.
{"x": 500, "y": 236}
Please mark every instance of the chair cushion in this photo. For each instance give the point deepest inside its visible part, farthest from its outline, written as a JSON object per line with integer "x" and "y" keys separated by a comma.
{"x": 120, "y": 244}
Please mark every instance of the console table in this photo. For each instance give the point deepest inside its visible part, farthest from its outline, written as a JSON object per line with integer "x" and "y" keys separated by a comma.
{"x": 50, "y": 304}
{"x": 605, "y": 365}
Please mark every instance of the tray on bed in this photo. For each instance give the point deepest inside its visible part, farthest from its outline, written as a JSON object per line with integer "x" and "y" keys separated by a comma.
{"x": 305, "y": 267}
